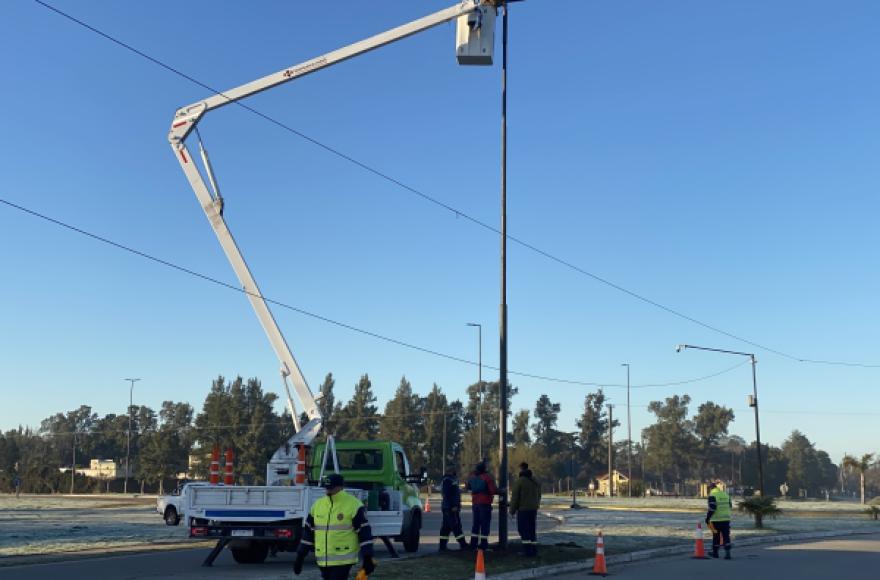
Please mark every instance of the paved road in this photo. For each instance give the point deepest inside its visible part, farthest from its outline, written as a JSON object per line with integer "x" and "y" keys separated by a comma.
{"x": 186, "y": 564}
{"x": 853, "y": 558}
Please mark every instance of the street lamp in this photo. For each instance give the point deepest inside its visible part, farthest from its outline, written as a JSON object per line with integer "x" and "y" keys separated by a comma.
{"x": 629, "y": 436}
{"x": 128, "y": 443}
{"x": 479, "y": 381}
{"x": 753, "y": 400}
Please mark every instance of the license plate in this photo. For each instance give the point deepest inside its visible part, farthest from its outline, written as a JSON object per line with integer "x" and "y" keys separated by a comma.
{"x": 242, "y": 533}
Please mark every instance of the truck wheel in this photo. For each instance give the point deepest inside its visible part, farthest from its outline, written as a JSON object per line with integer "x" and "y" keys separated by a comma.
{"x": 412, "y": 533}
{"x": 252, "y": 553}
{"x": 171, "y": 517}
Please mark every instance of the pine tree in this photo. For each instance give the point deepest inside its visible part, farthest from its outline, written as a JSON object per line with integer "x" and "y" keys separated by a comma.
{"x": 546, "y": 416}
{"x": 593, "y": 424}
{"x": 357, "y": 419}
{"x": 402, "y": 421}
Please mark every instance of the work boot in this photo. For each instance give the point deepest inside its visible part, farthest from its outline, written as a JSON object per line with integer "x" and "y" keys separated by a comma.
{"x": 714, "y": 552}
{"x": 443, "y": 547}
{"x": 464, "y": 545}
{"x": 727, "y": 553}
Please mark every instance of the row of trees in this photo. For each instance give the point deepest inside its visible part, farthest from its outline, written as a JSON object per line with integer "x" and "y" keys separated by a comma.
{"x": 674, "y": 454}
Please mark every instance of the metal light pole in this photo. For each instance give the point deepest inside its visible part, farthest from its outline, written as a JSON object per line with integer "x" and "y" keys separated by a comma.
{"x": 128, "y": 443}
{"x": 753, "y": 400}
{"x": 502, "y": 382}
{"x": 629, "y": 436}
{"x": 610, "y": 447}
{"x": 479, "y": 382}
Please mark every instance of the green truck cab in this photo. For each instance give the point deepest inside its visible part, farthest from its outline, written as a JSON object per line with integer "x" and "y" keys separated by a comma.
{"x": 382, "y": 469}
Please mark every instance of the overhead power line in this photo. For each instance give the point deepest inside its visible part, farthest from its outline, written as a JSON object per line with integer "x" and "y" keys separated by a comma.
{"x": 326, "y": 319}
{"x": 458, "y": 213}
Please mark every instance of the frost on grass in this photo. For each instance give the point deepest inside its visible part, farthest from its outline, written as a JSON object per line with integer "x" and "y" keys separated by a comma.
{"x": 53, "y": 524}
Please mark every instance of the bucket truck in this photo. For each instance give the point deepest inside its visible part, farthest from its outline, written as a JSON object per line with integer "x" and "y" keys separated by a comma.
{"x": 254, "y": 520}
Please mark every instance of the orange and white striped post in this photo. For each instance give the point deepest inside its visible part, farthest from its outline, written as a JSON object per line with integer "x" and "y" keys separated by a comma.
{"x": 229, "y": 478}
{"x": 215, "y": 465}
{"x": 299, "y": 477}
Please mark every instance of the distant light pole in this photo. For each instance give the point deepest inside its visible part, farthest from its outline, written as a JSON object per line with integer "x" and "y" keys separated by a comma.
{"x": 73, "y": 462}
{"x": 610, "y": 447}
{"x": 753, "y": 401}
{"x": 629, "y": 436}
{"x": 128, "y": 443}
{"x": 479, "y": 381}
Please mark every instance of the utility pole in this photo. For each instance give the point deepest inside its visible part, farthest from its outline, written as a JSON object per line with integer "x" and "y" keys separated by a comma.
{"x": 629, "y": 436}
{"x": 610, "y": 447}
{"x": 757, "y": 424}
{"x": 128, "y": 442}
{"x": 444, "y": 441}
{"x": 73, "y": 463}
{"x": 502, "y": 383}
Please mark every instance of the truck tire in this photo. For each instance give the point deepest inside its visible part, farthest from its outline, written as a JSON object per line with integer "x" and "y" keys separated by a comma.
{"x": 251, "y": 553}
{"x": 172, "y": 518}
{"x": 412, "y": 533}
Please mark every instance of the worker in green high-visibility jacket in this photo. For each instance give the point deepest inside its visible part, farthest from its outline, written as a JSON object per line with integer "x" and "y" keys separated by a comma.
{"x": 338, "y": 530}
{"x": 718, "y": 518}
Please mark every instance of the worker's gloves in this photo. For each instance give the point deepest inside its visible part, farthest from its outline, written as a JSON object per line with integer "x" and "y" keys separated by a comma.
{"x": 298, "y": 563}
{"x": 369, "y": 565}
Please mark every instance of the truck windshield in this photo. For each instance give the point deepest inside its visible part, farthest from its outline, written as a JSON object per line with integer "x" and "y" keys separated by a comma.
{"x": 360, "y": 459}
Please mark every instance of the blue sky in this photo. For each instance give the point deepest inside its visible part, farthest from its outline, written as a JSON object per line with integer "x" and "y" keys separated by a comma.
{"x": 719, "y": 159}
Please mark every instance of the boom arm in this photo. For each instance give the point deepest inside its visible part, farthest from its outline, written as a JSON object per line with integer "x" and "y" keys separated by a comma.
{"x": 187, "y": 118}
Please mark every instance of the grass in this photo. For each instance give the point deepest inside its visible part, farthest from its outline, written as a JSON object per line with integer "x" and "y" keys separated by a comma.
{"x": 455, "y": 564}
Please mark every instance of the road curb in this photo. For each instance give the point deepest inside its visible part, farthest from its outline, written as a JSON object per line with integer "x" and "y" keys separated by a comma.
{"x": 581, "y": 565}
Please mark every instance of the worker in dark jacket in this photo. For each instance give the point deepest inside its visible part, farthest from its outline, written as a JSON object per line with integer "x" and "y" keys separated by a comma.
{"x": 718, "y": 518}
{"x": 451, "y": 508}
{"x": 337, "y": 529}
{"x": 482, "y": 488}
{"x": 524, "y": 503}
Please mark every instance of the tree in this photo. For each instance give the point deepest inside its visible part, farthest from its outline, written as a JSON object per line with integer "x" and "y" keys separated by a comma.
{"x": 403, "y": 421}
{"x": 861, "y": 465}
{"x": 470, "y": 453}
{"x": 357, "y": 419}
{"x": 326, "y": 403}
{"x": 670, "y": 440}
{"x": 521, "y": 436}
{"x": 546, "y": 416}
{"x": 593, "y": 424}
{"x": 803, "y": 467}
{"x": 438, "y": 410}
{"x": 710, "y": 424}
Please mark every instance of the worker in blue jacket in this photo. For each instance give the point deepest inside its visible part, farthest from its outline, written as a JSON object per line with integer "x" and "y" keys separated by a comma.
{"x": 451, "y": 508}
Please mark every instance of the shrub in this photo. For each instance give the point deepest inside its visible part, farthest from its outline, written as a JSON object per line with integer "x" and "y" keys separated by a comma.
{"x": 760, "y": 507}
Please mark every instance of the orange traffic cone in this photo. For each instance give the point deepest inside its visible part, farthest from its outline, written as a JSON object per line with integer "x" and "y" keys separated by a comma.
{"x": 699, "y": 549}
{"x": 480, "y": 570}
{"x": 599, "y": 561}
{"x": 428, "y": 505}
